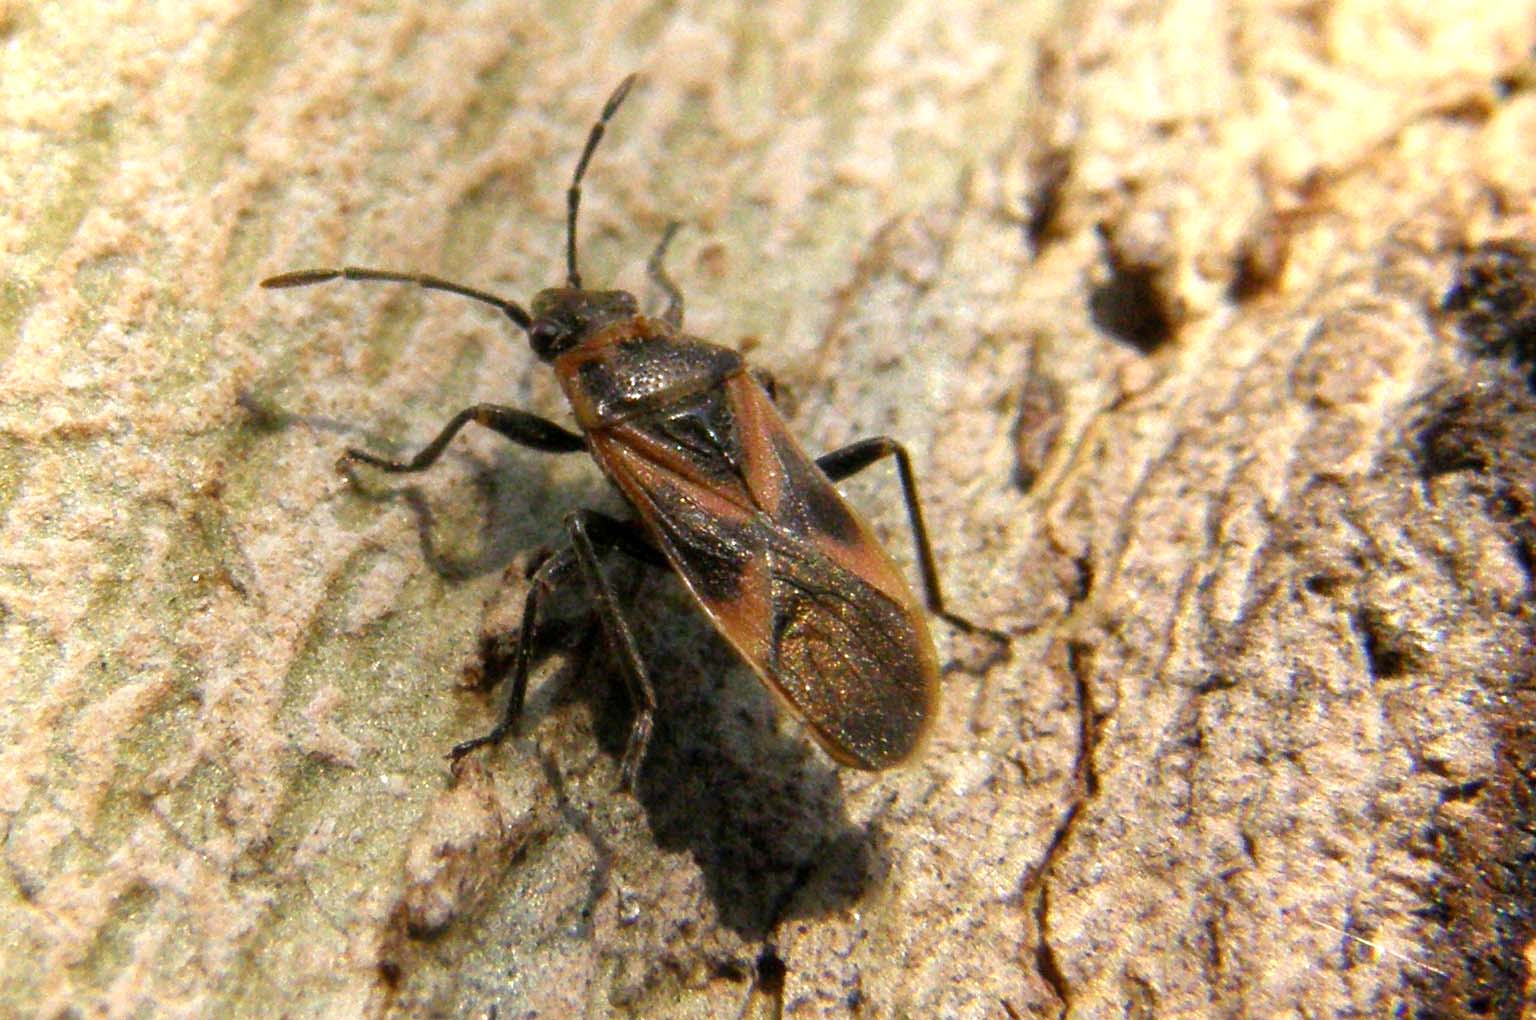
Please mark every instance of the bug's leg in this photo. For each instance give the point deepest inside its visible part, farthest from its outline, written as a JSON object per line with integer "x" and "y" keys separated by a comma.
{"x": 498, "y": 650}
{"x": 855, "y": 457}
{"x": 519, "y": 426}
{"x": 589, "y": 529}
{"x": 656, "y": 270}
{"x": 550, "y": 575}
{"x": 590, "y": 532}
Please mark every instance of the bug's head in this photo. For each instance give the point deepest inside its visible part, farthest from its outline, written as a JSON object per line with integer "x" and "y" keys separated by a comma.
{"x": 565, "y": 316}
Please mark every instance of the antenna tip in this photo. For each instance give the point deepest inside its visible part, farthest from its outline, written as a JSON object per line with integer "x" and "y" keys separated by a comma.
{"x": 619, "y": 94}
{"x": 299, "y": 278}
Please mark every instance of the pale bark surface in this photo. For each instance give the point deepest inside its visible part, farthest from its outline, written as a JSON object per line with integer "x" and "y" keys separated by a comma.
{"x": 1155, "y": 293}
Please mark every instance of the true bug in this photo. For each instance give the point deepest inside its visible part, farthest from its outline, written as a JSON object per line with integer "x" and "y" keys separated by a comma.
{"x": 722, "y": 495}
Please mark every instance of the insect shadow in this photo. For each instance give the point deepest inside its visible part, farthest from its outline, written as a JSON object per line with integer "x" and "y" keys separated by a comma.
{"x": 509, "y": 525}
{"x": 761, "y": 812}
{"x": 758, "y": 809}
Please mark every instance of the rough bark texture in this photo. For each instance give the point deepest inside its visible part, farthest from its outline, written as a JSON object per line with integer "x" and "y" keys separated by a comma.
{"x": 1211, "y": 330}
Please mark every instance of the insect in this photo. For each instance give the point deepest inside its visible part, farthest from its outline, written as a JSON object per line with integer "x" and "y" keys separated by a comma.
{"x": 723, "y": 496}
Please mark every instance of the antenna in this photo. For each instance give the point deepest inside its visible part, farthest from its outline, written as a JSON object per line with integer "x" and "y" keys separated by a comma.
{"x": 305, "y": 277}
{"x": 573, "y": 193}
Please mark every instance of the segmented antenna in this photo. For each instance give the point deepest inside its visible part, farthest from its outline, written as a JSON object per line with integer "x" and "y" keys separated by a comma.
{"x": 573, "y": 193}
{"x": 305, "y": 277}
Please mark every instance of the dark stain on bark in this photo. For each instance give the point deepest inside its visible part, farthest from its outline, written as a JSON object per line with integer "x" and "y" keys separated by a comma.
{"x": 1483, "y": 424}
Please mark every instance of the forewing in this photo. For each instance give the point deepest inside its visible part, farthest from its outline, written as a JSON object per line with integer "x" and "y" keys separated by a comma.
{"x": 786, "y": 570}
{"x": 858, "y": 666}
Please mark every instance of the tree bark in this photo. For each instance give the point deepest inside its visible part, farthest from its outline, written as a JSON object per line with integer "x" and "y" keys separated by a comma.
{"x": 1210, "y": 330}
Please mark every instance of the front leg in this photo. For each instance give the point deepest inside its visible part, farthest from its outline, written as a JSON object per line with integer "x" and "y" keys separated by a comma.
{"x": 519, "y": 426}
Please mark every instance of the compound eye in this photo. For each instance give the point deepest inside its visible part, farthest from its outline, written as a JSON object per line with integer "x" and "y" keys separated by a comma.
{"x": 543, "y": 334}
